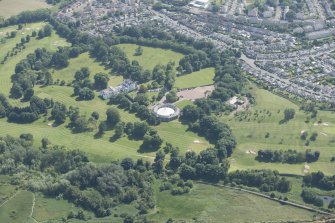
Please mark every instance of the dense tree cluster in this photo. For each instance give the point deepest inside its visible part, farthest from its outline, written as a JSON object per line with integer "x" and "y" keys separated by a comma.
{"x": 93, "y": 187}
{"x": 140, "y": 131}
{"x": 101, "y": 81}
{"x": 289, "y": 114}
{"x": 28, "y": 114}
{"x": 176, "y": 186}
{"x": 16, "y": 152}
{"x": 215, "y": 131}
{"x": 82, "y": 85}
{"x": 27, "y": 17}
{"x": 44, "y": 32}
{"x": 310, "y": 198}
{"x": 287, "y": 156}
{"x": 309, "y": 107}
{"x": 319, "y": 180}
{"x": 208, "y": 165}
{"x": 79, "y": 123}
{"x": 172, "y": 96}
{"x": 31, "y": 71}
{"x": 53, "y": 2}
{"x": 265, "y": 180}
{"x": 194, "y": 62}
{"x": 34, "y": 70}
{"x": 120, "y": 64}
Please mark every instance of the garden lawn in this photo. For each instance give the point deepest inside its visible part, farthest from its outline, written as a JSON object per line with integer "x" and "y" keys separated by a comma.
{"x": 151, "y": 56}
{"x": 251, "y": 127}
{"x": 13, "y": 7}
{"x": 196, "y": 79}
{"x": 215, "y": 204}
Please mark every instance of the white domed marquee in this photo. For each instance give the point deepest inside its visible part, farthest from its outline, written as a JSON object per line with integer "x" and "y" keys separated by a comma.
{"x": 166, "y": 112}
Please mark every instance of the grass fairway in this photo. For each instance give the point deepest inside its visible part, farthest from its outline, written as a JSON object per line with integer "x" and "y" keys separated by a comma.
{"x": 83, "y": 60}
{"x": 196, "y": 79}
{"x": 7, "y": 69}
{"x": 214, "y": 204}
{"x": 17, "y": 209}
{"x": 250, "y": 132}
{"x": 151, "y": 56}
{"x": 13, "y": 7}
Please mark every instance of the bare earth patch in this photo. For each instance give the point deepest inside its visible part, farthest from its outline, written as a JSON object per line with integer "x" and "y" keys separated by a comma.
{"x": 195, "y": 93}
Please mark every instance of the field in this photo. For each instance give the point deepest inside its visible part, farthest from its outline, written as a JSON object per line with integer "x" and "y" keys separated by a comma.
{"x": 251, "y": 127}
{"x": 214, "y": 204}
{"x": 13, "y": 7}
{"x": 196, "y": 79}
{"x": 17, "y": 209}
{"x": 151, "y": 56}
{"x": 49, "y": 208}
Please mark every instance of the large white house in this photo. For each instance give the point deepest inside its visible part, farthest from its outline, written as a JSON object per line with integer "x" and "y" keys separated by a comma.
{"x": 126, "y": 87}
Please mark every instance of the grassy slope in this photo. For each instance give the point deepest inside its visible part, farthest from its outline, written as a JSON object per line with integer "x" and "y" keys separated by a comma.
{"x": 195, "y": 79}
{"x": 17, "y": 209}
{"x": 151, "y": 56}
{"x": 251, "y": 134}
{"x": 13, "y": 7}
{"x": 48, "y": 208}
{"x": 213, "y": 204}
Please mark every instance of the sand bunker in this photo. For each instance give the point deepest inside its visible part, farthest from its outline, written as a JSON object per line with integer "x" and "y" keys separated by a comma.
{"x": 324, "y": 134}
{"x": 306, "y": 168}
{"x": 324, "y": 124}
{"x": 196, "y": 142}
{"x": 252, "y": 152}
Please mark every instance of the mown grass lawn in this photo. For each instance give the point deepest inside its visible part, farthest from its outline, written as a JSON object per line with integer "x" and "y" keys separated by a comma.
{"x": 264, "y": 117}
{"x": 151, "y": 56}
{"x": 83, "y": 60}
{"x": 13, "y": 7}
{"x": 213, "y": 204}
{"x": 196, "y": 79}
